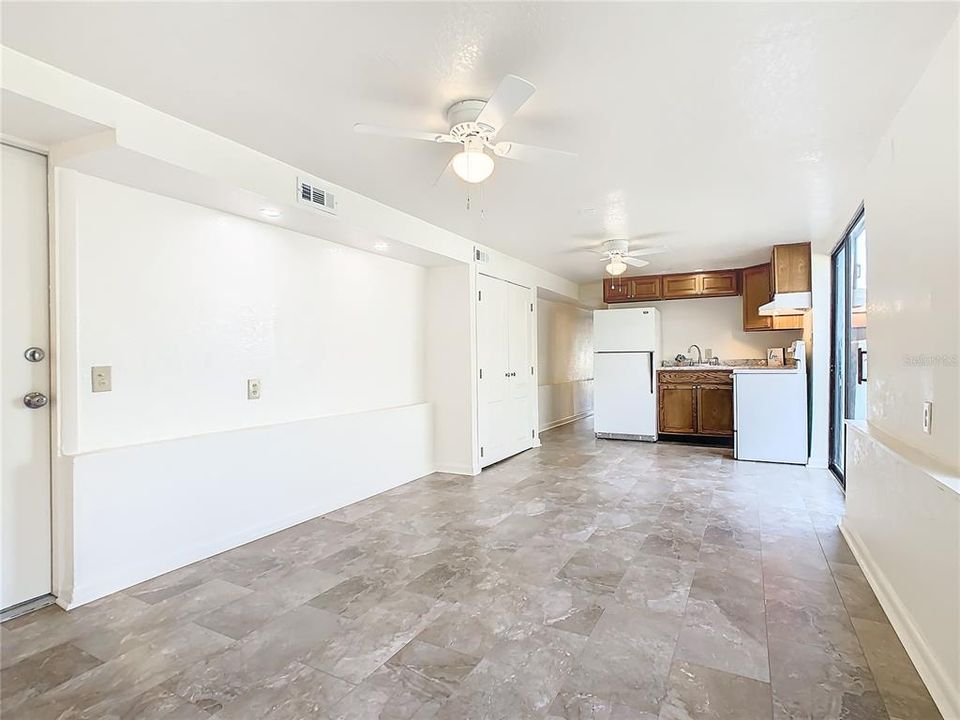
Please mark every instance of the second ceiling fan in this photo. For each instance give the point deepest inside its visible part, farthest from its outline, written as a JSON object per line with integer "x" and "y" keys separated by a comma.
{"x": 475, "y": 124}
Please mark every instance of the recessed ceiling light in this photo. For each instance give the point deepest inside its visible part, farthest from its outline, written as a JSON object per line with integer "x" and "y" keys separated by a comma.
{"x": 381, "y": 245}
{"x": 271, "y": 213}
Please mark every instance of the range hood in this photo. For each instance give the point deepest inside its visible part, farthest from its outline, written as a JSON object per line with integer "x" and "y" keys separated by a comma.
{"x": 787, "y": 303}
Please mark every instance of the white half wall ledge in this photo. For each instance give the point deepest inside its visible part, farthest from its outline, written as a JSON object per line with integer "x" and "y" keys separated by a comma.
{"x": 902, "y": 524}
{"x": 142, "y": 511}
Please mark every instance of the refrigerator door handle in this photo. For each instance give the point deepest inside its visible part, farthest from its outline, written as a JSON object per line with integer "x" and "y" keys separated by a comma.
{"x": 651, "y": 373}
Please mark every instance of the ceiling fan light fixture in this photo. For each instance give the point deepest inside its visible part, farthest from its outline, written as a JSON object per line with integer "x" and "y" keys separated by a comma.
{"x": 472, "y": 165}
{"x": 616, "y": 266}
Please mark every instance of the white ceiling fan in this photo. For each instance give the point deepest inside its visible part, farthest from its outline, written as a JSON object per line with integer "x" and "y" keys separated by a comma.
{"x": 474, "y": 124}
{"x": 618, "y": 255}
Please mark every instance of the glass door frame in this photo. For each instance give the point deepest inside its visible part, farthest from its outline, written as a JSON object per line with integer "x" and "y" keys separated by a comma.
{"x": 838, "y": 405}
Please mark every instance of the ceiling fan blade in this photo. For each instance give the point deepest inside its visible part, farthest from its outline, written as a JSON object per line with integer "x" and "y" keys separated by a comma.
{"x": 647, "y": 236}
{"x": 443, "y": 172}
{"x": 639, "y": 252}
{"x": 634, "y": 263}
{"x": 530, "y": 153}
{"x": 364, "y": 129}
{"x": 510, "y": 95}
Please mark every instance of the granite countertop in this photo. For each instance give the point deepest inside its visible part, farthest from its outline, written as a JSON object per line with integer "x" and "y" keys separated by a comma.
{"x": 751, "y": 364}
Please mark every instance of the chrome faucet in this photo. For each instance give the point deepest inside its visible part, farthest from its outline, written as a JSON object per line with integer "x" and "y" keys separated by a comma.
{"x": 699, "y": 353}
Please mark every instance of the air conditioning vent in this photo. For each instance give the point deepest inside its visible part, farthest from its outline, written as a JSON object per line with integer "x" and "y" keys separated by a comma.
{"x": 480, "y": 256}
{"x": 315, "y": 197}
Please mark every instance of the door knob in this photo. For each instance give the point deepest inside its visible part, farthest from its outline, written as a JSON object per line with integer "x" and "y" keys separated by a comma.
{"x": 34, "y": 354}
{"x": 34, "y": 400}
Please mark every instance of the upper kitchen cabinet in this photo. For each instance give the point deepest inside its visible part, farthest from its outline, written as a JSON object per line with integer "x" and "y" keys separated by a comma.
{"x": 720, "y": 283}
{"x": 681, "y": 286}
{"x": 790, "y": 268}
{"x": 615, "y": 290}
{"x": 716, "y": 283}
{"x": 756, "y": 292}
{"x": 631, "y": 289}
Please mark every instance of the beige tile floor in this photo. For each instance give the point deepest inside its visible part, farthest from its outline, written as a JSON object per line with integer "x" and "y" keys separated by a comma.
{"x": 585, "y": 579}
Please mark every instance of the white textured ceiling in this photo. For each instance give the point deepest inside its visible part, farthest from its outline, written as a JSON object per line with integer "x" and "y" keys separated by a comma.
{"x": 730, "y": 127}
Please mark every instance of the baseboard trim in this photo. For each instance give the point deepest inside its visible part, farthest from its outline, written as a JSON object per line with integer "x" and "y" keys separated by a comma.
{"x": 929, "y": 668}
{"x": 455, "y": 469}
{"x": 565, "y": 421}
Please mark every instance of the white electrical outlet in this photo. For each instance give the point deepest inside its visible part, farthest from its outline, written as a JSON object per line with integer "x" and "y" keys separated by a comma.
{"x": 100, "y": 378}
{"x": 927, "y": 416}
{"x": 253, "y": 389}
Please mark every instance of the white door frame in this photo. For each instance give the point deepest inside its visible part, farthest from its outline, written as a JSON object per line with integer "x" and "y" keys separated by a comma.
{"x": 53, "y": 368}
{"x": 533, "y": 401}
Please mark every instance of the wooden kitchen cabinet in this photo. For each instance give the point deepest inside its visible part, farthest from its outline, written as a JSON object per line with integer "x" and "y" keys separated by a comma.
{"x": 696, "y": 402}
{"x": 716, "y": 283}
{"x": 720, "y": 283}
{"x": 715, "y": 410}
{"x": 646, "y": 287}
{"x": 615, "y": 290}
{"x": 681, "y": 286}
{"x": 790, "y": 268}
{"x": 678, "y": 409}
{"x": 756, "y": 292}
{"x": 631, "y": 289}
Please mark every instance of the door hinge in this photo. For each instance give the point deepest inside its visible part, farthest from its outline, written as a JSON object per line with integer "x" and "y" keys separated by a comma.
{"x": 481, "y": 451}
{"x": 531, "y": 369}
{"x": 531, "y": 307}
{"x": 533, "y": 433}
{"x": 481, "y": 373}
{"x": 479, "y": 295}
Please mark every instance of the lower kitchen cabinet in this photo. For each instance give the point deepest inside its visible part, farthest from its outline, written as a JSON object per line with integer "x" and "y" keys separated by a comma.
{"x": 696, "y": 403}
{"x": 715, "y": 410}
{"x": 678, "y": 409}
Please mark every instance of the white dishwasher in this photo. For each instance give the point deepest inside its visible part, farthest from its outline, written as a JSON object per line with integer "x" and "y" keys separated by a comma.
{"x": 770, "y": 412}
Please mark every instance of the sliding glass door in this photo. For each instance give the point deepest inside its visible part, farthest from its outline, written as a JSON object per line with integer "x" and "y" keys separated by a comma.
{"x": 848, "y": 327}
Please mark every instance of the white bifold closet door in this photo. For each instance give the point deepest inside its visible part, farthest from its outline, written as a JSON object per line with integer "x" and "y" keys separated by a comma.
{"x": 506, "y": 392}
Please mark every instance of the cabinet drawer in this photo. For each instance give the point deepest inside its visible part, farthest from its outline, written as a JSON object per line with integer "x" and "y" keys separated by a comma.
{"x": 696, "y": 377}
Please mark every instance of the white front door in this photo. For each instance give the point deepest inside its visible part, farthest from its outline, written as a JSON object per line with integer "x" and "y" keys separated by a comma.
{"x": 506, "y": 385}
{"x": 25, "y": 500}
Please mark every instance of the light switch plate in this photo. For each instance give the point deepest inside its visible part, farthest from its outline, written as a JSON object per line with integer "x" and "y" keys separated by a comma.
{"x": 927, "y": 416}
{"x": 253, "y": 389}
{"x": 100, "y": 378}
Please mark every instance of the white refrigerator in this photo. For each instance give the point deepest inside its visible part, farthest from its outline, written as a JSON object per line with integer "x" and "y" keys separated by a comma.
{"x": 626, "y": 358}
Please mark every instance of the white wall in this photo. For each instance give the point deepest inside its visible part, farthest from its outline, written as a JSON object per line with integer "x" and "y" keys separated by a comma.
{"x": 450, "y": 344}
{"x": 564, "y": 363}
{"x": 715, "y": 323}
{"x": 816, "y": 335}
{"x": 912, "y": 208}
{"x": 186, "y": 303}
{"x": 903, "y": 486}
